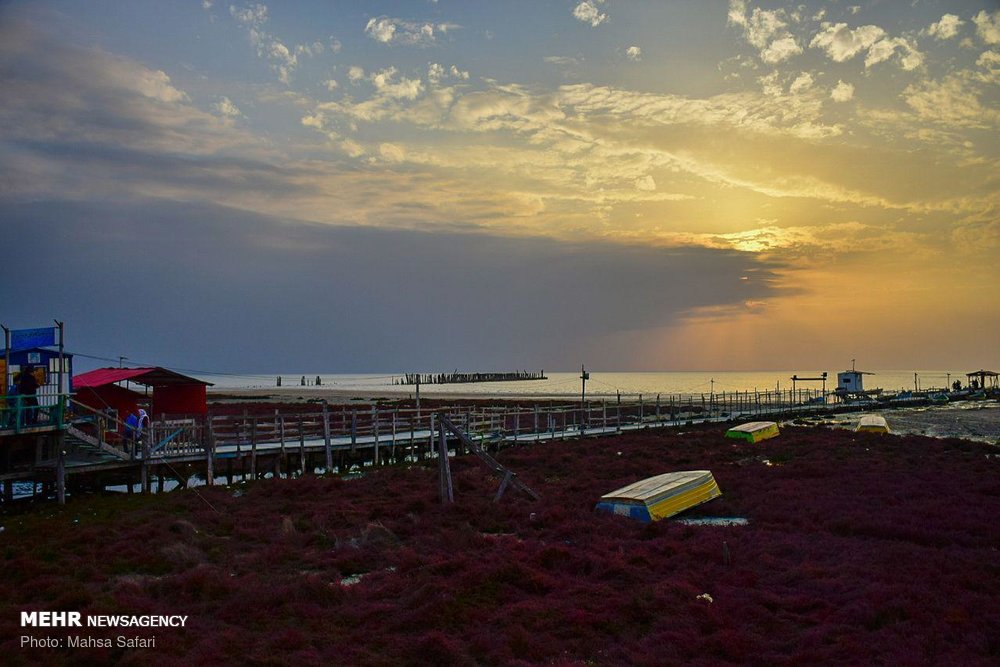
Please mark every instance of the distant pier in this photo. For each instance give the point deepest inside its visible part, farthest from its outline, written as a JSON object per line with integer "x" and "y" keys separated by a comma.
{"x": 459, "y": 378}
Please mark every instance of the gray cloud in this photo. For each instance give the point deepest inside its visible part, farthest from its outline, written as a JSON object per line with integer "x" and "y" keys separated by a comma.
{"x": 222, "y": 289}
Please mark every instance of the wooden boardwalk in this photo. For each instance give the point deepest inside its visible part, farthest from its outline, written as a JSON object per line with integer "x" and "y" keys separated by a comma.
{"x": 181, "y": 450}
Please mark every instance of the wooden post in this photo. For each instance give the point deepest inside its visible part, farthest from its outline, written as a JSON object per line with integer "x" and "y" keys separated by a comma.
{"x": 326, "y": 439}
{"x": 281, "y": 433}
{"x": 302, "y": 449}
{"x": 209, "y": 451}
{"x": 145, "y": 465}
{"x": 430, "y": 444}
{"x": 253, "y": 449}
{"x": 536, "y": 423}
{"x": 444, "y": 469}
{"x": 354, "y": 431}
{"x": 375, "y": 457}
{"x": 392, "y": 449}
{"x": 61, "y": 477}
{"x": 412, "y": 427}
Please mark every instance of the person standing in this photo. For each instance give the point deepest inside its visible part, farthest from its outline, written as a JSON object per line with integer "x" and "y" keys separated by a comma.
{"x": 27, "y": 388}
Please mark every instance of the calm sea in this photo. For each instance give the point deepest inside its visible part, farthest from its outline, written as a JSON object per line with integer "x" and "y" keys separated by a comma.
{"x": 600, "y": 383}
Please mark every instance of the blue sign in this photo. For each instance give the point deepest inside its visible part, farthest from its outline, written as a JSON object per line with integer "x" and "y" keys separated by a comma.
{"x": 25, "y": 339}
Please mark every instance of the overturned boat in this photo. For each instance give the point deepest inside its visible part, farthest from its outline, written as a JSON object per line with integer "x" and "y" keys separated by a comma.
{"x": 872, "y": 424}
{"x": 662, "y": 496}
{"x": 754, "y": 431}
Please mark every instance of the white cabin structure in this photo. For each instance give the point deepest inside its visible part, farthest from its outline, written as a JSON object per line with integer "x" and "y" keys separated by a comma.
{"x": 851, "y": 382}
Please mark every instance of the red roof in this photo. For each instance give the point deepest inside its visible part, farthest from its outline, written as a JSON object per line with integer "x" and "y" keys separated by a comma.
{"x": 154, "y": 376}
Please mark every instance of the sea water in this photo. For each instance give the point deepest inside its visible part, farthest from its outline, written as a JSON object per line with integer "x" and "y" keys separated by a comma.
{"x": 600, "y": 383}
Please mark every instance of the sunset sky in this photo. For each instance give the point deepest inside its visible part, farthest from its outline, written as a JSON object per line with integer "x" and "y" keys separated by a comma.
{"x": 432, "y": 185}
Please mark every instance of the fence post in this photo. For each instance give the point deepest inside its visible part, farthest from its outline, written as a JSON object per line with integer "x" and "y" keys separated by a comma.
{"x": 209, "y": 451}
{"x": 253, "y": 449}
{"x": 392, "y": 451}
{"x": 145, "y": 465}
{"x": 60, "y": 477}
{"x": 430, "y": 444}
{"x": 302, "y": 449}
{"x": 375, "y": 457}
{"x": 326, "y": 438}
{"x": 354, "y": 431}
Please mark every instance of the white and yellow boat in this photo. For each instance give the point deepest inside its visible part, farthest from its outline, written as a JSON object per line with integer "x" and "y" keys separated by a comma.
{"x": 662, "y": 496}
{"x": 872, "y": 424}
{"x": 754, "y": 431}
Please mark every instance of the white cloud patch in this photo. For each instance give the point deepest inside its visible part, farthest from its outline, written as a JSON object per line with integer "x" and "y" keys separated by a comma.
{"x": 282, "y": 59}
{"x": 387, "y": 83}
{"x": 437, "y": 73}
{"x": 335, "y": 46}
{"x": 988, "y": 26}
{"x": 946, "y": 28}
{"x": 802, "y": 83}
{"x": 766, "y": 30}
{"x": 842, "y": 92}
{"x": 251, "y": 15}
{"x": 780, "y": 50}
{"x": 645, "y": 184}
{"x": 841, "y": 43}
{"x": 313, "y": 49}
{"x": 634, "y": 53}
{"x": 355, "y": 74}
{"x": 953, "y": 101}
{"x": 588, "y": 12}
{"x": 884, "y": 49}
{"x": 389, "y": 30}
{"x": 225, "y": 107}
{"x": 331, "y": 85}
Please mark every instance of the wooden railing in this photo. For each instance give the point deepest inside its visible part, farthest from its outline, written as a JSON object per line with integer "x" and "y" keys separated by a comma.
{"x": 21, "y": 413}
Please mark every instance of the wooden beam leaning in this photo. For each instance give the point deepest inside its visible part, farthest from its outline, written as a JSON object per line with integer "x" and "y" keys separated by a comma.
{"x": 509, "y": 476}
{"x": 444, "y": 468}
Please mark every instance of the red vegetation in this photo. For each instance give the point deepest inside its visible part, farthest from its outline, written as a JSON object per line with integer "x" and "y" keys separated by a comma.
{"x": 861, "y": 549}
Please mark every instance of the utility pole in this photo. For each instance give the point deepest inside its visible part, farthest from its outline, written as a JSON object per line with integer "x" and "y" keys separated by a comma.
{"x": 121, "y": 361}
{"x": 584, "y": 376}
